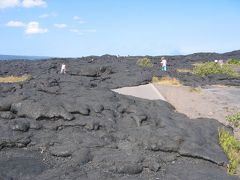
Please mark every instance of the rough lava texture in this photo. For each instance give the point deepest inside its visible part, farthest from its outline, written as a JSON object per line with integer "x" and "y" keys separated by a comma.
{"x": 72, "y": 126}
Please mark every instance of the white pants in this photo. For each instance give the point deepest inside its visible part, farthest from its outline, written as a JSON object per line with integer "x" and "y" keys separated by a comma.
{"x": 63, "y": 70}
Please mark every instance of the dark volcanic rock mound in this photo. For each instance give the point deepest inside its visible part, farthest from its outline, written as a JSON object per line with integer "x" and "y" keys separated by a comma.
{"x": 73, "y": 126}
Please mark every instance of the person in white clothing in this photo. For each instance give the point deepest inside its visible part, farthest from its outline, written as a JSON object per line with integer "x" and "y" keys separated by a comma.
{"x": 221, "y": 62}
{"x": 63, "y": 69}
{"x": 164, "y": 64}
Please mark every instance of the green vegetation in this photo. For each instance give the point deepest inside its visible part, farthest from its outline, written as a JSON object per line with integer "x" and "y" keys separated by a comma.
{"x": 13, "y": 79}
{"x": 205, "y": 69}
{"x": 231, "y": 148}
{"x": 233, "y": 61}
{"x": 234, "y": 119}
{"x": 144, "y": 63}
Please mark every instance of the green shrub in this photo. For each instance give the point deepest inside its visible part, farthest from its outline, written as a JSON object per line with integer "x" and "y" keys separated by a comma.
{"x": 144, "y": 63}
{"x": 233, "y": 61}
{"x": 231, "y": 148}
{"x": 235, "y": 119}
{"x": 205, "y": 69}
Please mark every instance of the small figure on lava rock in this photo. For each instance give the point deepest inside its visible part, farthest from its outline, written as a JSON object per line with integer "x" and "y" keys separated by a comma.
{"x": 63, "y": 69}
{"x": 164, "y": 64}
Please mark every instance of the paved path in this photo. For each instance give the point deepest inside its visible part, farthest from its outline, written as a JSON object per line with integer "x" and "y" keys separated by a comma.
{"x": 147, "y": 91}
{"x": 214, "y": 102}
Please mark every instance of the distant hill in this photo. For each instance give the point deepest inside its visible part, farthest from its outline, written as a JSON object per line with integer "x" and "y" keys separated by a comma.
{"x": 212, "y": 56}
{"x": 233, "y": 54}
{"x": 16, "y": 57}
{"x": 194, "y": 56}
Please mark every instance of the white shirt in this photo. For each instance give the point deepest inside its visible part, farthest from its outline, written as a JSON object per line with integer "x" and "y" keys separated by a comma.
{"x": 164, "y": 62}
{"x": 63, "y": 66}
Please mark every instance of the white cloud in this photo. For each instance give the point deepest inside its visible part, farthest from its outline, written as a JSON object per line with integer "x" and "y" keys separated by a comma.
{"x": 74, "y": 30}
{"x": 44, "y": 16}
{"x": 60, "y": 25}
{"x": 21, "y": 3}
{"x": 82, "y": 31}
{"x": 34, "y": 28}
{"x": 47, "y": 15}
{"x": 76, "y": 18}
{"x": 77, "y": 31}
{"x": 9, "y": 3}
{"x": 81, "y": 22}
{"x": 90, "y": 30}
{"x": 15, "y": 24}
{"x": 33, "y": 3}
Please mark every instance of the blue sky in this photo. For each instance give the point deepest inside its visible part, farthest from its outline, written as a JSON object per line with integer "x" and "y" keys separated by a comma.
{"x": 122, "y": 27}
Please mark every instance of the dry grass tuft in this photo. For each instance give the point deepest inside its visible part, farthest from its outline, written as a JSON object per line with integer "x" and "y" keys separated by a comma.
{"x": 195, "y": 90}
{"x": 166, "y": 81}
{"x": 196, "y": 64}
{"x": 13, "y": 79}
{"x": 184, "y": 70}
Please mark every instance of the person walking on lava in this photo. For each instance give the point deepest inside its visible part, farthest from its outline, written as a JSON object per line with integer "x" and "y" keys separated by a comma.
{"x": 63, "y": 68}
{"x": 164, "y": 64}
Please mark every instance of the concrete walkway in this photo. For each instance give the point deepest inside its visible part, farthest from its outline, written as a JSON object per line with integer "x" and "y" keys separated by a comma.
{"x": 147, "y": 91}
